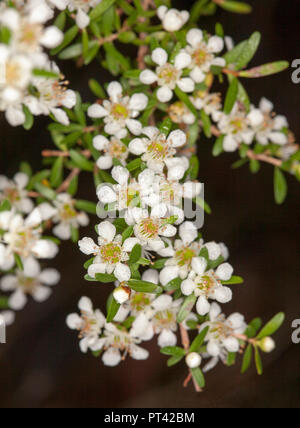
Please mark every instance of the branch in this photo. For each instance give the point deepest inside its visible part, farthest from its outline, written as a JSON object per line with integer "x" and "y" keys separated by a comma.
{"x": 264, "y": 158}
{"x": 65, "y": 185}
{"x": 144, "y": 48}
{"x": 186, "y": 344}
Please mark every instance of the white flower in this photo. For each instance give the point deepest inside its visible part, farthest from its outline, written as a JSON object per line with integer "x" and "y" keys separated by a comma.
{"x": 110, "y": 149}
{"x": 120, "y": 111}
{"x": 172, "y": 19}
{"x": 237, "y": 129}
{"x": 67, "y": 217}
{"x": 179, "y": 113}
{"x": 82, "y": 7}
{"x": 168, "y": 76}
{"x": 52, "y": 95}
{"x": 15, "y": 192}
{"x": 214, "y": 250}
{"x": 118, "y": 344}
{"x": 223, "y": 334}
{"x": 158, "y": 150}
{"x": 267, "y": 345}
{"x": 206, "y": 286}
{"x": 29, "y": 36}
{"x": 23, "y": 236}
{"x": 203, "y": 54}
{"x": 211, "y": 103}
{"x": 30, "y": 281}
{"x": 89, "y": 324}
{"x": 150, "y": 229}
{"x": 110, "y": 254}
{"x": 267, "y": 125}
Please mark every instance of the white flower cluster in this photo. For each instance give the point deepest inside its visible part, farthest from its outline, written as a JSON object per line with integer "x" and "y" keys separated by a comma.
{"x": 22, "y": 243}
{"x": 27, "y": 77}
{"x": 261, "y": 125}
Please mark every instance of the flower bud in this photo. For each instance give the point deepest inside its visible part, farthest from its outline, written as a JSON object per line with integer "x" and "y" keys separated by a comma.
{"x": 122, "y": 294}
{"x": 267, "y": 345}
{"x": 193, "y": 360}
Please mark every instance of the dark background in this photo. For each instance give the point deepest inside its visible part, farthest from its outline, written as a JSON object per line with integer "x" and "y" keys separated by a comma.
{"x": 41, "y": 365}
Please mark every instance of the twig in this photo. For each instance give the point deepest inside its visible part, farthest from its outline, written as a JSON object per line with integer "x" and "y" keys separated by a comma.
{"x": 144, "y": 48}
{"x": 113, "y": 37}
{"x": 264, "y": 158}
{"x": 65, "y": 185}
{"x": 186, "y": 344}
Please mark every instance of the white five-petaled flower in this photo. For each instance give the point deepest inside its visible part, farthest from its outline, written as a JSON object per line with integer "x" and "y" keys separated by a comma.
{"x": 168, "y": 75}
{"x": 207, "y": 285}
{"x": 172, "y": 19}
{"x": 120, "y": 111}
{"x": 223, "y": 335}
{"x": 67, "y": 216}
{"x": 110, "y": 149}
{"x": 89, "y": 324}
{"x": 14, "y": 191}
{"x": 150, "y": 229}
{"x": 29, "y": 35}
{"x": 110, "y": 253}
{"x": 158, "y": 151}
{"x": 267, "y": 125}
{"x": 52, "y": 95}
{"x": 236, "y": 128}
{"x": 203, "y": 54}
{"x": 211, "y": 103}
{"x": 31, "y": 281}
{"x": 24, "y": 236}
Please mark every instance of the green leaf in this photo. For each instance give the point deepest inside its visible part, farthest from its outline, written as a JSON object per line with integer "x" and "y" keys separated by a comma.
{"x": 97, "y": 89}
{"x": 29, "y": 119}
{"x": 218, "y": 146}
{"x": 198, "y": 377}
{"x": 231, "y": 96}
{"x": 81, "y": 161}
{"x": 172, "y": 351}
{"x": 235, "y": 6}
{"x": 143, "y": 286}
{"x": 249, "y": 51}
{"x": 100, "y": 9}
{"x": 206, "y": 123}
{"x": 5, "y": 206}
{"x": 105, "y": 278}
{"x": 199, "y": 340}
{"x": 112, "y": 309}
{"x": 44, "y": 73}
{"x": 45, "y": 191}
{"x": 69, "y": 37}
{"x": 166, "y": 126}
{"x": 234, "y": 280}
{"x": 4, "y": 303}
{"x": 258, "y": 362}
{"x": 135, "y": 254}
{"x": 231, "y": 359}
{"x": 280, "y": 186}
{"x": 202, "y": 204}
{"x": 247, "y": 360}
{"x": 265, "y": 70}
{"x": 128, "y": 232}
{"x": 272, "y": 326}
{"x": 174, "y": 360}
{"x": 186, "y": 100}
{"x": 186, "y": 308}
{"x": 74, "y": 234}
{"x": 135, "y": 164}
{"x": 87, "y": 206}
{"x": 56, "y": 176}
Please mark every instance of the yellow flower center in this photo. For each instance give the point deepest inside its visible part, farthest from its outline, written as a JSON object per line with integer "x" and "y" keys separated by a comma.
{"x": 150, "y": 228}
{"x": 168, "y": 75}
{"x": 119, "y": 111}
{"x": 185, "y": 256}
{"x": 111, "y": 253}
{"x": 140, "y": 301}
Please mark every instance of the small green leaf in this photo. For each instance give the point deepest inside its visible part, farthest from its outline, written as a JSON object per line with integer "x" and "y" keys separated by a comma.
{"x": 234, "y": 280}
{"x": 198, "y": 377}
{"x": 247, "y": 360}
{"x": 29, "y": 119}
{"x": 186, "y": 308}
{"x": 81, "y": 161}
{"x": 105, "y": 278}
{"x": 97, "y": 89}
{"x": 87, "y": 206}
{"x": 128, "y": 232}
{"x": 143, "y": 286}
{"x": 172, "y": 351}
{"x": 135, "y": 254}
{"x": 231, "y": 96}
{"x": 57, "y": 172}
{"x": 69, "y": 37}
{"x": 258, "y": 362}
{"x": 235, "y": 6}
{"x": 280, "y": 186}
{"x": 99, "y": 10}
{"x": 249, "y": 51}
{"x": 47, "y": 192}
{"x": 186, "y": 100}
{"x": 272, "y": 326}
{"x": 19, "y": 262}
{"x": 265, "y": 70}
{"x": 199, "y": 340}
{"x": 112, "y": 309}
{"x": 218, "y": 146}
